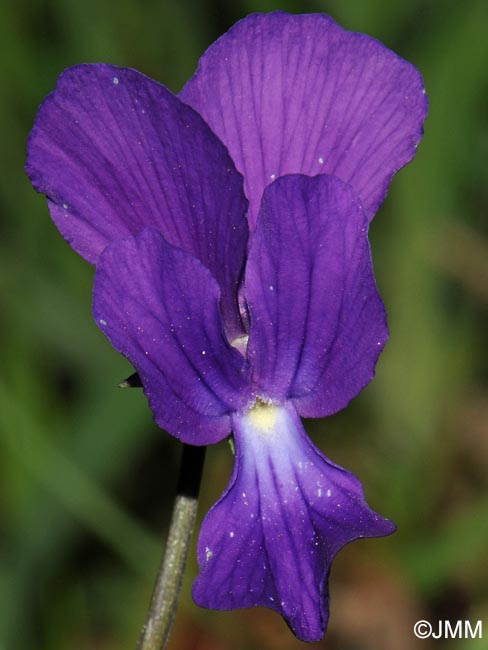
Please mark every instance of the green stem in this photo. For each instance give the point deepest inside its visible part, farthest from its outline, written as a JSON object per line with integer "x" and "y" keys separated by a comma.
{"x": 164, "y": 601}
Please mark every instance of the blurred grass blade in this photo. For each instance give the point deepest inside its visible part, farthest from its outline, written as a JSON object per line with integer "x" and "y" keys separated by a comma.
{"x": 67, "y": 482}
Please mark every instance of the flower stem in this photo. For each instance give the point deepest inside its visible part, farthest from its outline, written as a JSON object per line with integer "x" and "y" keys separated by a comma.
{"x": 164, "y": 601}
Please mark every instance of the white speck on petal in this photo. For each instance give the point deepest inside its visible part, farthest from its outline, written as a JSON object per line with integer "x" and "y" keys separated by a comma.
{"x": 319, "y": 492}
{"x": 273, "y": 176}
{"x": 321, "y": 160}
{"x": 271, "y": 287}
{"x": 209, "y": 553}
{"x": 329, "y": 493}
{"x": 231, "y": 534}
{"x": 204, "y": 352}
{"x": 65, "y": 206}
{"x": 102, "y": 322}
{"x": 115, "y": 80}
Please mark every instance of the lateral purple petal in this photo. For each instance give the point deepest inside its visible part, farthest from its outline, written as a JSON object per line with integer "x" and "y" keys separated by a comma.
{"x": 271, "y": 538}
{"x": 318, "y": 323}
{"x": 299, "y": 94}
{"x": 115, "y": 152}
{"x": 158, "y": 305}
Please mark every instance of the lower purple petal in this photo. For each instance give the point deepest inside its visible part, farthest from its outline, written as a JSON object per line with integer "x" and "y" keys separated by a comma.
{"x": 271, "y": 538}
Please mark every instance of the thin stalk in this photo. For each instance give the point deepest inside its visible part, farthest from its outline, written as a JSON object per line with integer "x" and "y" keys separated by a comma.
{"x": 162, "y": 609}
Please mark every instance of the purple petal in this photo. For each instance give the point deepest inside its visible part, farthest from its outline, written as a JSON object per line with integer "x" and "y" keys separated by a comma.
{"x": 271, "y": 538}
{"x": 318, "y": 323}
{"x": 116, "y": 152}
{"x": 299, "y": 94}
{"x": 158, "y": 305}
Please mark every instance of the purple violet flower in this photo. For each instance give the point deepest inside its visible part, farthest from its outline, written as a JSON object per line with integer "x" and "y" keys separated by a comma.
{"x": 244, "y": 302}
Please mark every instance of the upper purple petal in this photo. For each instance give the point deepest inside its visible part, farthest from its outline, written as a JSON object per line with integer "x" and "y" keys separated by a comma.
{"x": 299, "y": 94}
{"x": 318, "y": 323}
{"x": 116, "y": 152}
{"x": 158, "y": 305}
{"x": 271, "y": 538}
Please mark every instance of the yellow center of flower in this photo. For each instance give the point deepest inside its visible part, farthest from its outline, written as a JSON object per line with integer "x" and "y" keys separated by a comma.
{"x": 263, "y": 417}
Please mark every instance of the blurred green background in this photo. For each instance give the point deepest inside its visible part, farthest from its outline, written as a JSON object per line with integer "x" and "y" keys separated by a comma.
{"x": 86, "y": 479}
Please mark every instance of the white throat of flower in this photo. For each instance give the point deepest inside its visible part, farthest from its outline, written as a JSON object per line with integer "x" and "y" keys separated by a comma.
{"x": 263, "y": 417}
